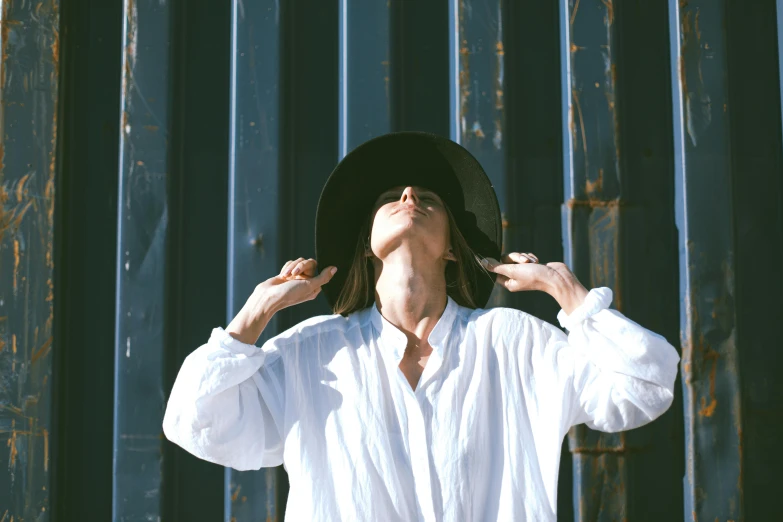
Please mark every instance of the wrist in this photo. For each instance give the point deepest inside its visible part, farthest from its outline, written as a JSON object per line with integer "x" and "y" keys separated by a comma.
{"x": 251, "y": 320}
{"x": 569, "y": 294}
{"x": 263, "y": 303}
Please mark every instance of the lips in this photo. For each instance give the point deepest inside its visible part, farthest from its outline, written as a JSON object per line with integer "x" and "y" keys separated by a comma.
{"x": 409, "y": 207}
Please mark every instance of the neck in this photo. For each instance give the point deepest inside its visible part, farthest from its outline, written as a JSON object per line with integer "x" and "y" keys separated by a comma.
{"x": 411, "y": 296}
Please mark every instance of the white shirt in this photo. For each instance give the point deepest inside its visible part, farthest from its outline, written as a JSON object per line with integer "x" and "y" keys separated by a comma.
{"x": 478, "y": 440}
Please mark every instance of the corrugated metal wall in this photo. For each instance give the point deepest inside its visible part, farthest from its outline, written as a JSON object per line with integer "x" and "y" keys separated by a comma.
{"x": 160, "y": 158}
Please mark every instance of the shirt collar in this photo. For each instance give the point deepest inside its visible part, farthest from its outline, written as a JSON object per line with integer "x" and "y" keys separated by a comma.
{"x": 392, "y": 338}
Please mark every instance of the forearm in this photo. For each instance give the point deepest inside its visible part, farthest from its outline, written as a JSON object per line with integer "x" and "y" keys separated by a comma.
{"x": 215, "y": 411}
{"x": 252, "y": 319}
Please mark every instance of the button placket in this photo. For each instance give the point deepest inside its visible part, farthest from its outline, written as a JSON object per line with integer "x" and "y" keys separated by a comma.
{"x": 419, "y": 451}
{"x": 393, "y": 343}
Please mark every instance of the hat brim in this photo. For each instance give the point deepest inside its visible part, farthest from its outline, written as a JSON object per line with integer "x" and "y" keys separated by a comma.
{"x": 405, "y": 159}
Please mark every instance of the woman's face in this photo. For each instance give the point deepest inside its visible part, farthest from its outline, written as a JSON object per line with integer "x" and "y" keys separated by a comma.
{"x": 414, "y": 215}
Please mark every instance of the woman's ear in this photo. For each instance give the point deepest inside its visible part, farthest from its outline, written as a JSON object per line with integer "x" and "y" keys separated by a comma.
{"x": 367, "y": 248}
{"x": 450, "y": 255}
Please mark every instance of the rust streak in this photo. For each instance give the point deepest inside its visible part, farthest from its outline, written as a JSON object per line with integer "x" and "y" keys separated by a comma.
{"x": 575, "y": 96}
{"x": 609, "y": 11}
{"x": 46, "y": 448}
{"x": 20, "y": 187}
{"x": 593, "y": 203}
{"x": 5, "y": 216}
{"x": 42, "y": 351}
{"x": 707, "y": 410}
{"x": 18, "y": 219}
{"x": 16, "y": 410}
{"x": 591, "y": 187}
{"x": 573, "y": 13}
{"x": 17, "y": 261}
{"x": 686, "y": 30}
{"x": 12, "y": 451}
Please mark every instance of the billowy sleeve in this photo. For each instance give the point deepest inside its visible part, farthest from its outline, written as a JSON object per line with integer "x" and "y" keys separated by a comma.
{"x": 608, "y": 372}
{"x": 227, "y": 402}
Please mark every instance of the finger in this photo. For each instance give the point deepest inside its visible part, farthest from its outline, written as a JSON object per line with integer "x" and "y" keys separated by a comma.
{"x": 306, "y": 268}
{"x": 296, "y": 268}
{"x": 510, "y": 284}
{"x": 324, "y": 277}
{"x": 290, "y": 266}
{"x": 532, "y": 256}
{"x": 285, "y": 266}
{"x": 498, "y": 268}
{"x": 516, "y": 257}
{"x": 488, "y": 262}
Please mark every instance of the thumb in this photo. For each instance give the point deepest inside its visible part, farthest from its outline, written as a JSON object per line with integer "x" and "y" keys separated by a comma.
{"x": 325, "y": 276}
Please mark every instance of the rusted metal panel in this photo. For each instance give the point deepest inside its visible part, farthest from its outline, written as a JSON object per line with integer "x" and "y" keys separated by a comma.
{"x": 726, "y": 87}
{"x": 612, "y": 212}
{"x": 285, "y": 142}
{"x": 589, "y": 159}
{"x": 254, "y": 194}
{"x": 29, "y": 74}
{"x": 591, "y": 223}
{"x": 711, "y": 392}
{"x": 142, "y": 224}
{"x": 478, "y": 112}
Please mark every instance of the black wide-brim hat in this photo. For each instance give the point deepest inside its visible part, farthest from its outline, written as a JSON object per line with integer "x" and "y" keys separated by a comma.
{"x": 405, "y": 159}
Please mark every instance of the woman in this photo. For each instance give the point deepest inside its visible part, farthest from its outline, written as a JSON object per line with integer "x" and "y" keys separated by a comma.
{"x": 412, "y": 402}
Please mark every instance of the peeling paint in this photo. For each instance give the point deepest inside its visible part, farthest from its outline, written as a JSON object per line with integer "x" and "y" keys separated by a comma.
{"x": 29, "y": 77}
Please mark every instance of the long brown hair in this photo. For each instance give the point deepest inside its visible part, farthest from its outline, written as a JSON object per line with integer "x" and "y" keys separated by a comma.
{"x": 461, "y": 285}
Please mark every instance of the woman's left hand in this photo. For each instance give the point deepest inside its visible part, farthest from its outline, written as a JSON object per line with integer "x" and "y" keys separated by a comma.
{"x": 521, "y": 272}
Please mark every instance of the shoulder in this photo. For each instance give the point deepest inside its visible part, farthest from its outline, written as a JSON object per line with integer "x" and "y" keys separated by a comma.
{"x": 315, "y": 329}
{"x": 508, "y": 323}
{"x": 498, "y": 316}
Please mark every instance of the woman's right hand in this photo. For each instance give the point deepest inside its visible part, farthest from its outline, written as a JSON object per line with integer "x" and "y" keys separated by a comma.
{"x": 297, "y": 282}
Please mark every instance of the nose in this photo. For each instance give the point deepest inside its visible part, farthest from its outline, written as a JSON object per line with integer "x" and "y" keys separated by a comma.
{"x": 409, "y": 193}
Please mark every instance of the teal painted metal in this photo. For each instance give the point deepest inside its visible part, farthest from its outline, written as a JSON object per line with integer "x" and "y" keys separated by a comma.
{"x": 254, "y": 195}
{"x": 728, "y": 162}
{"x": 616, "y": 212}
{"x": 29, "y": 74}
{"x": 365, "y": 72}
{"x": 671, "y": 168}
{"x": 591, "y": 225}
{"x": 142, "y": 235}
{"x": 81, "y": 442}
{"x": 534, "y": 166}
{"x": 757, "y": 189}
{"x": 478, "y": 114}
{"x": 704, "y": 215}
